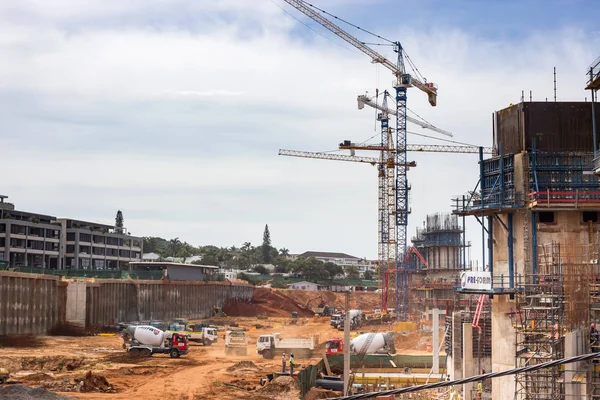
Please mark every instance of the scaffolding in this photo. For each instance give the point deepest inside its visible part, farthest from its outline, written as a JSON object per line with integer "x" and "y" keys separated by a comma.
{"x": 550, "y": 304}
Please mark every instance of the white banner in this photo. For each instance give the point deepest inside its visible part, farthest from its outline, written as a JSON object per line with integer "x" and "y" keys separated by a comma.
{"x": 476, "y": 280}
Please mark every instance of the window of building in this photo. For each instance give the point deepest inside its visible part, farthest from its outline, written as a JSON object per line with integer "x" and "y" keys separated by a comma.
{"x": 70, "y": 249}
{"x": 71, "y": 236}
{"x": 590, "y": 216}
{"x": 546, "y": 217}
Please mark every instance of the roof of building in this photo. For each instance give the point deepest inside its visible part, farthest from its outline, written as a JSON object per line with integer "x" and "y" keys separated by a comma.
{"x": 325, "y": 254}
{"x": 155, "y": 264}
{"x": 23, "y": 215}
{"x": 303, "y": 282}
{"x": 150, "y": 256}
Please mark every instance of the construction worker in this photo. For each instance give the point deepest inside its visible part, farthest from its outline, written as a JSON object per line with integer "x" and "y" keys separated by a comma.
{"x": 292, "y": 364}
{"x": 479, "y": 390}
{"x": 283, "y": 363}
{"x": 454, "y": 395}
{"x": 594, "y": 335}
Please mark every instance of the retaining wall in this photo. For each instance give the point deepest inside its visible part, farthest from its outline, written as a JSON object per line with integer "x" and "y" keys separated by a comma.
{"x": 33, "y": 304}
{"x": 30, "y": 303}
{"x": 112, "y": 300}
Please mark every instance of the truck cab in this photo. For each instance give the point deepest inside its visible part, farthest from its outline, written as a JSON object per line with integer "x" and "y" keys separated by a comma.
{"x": 334, "y": 346}
{"x": 265, "y": 346}
{"x": 336, "y": 320}
{"x": 209, "y": 335}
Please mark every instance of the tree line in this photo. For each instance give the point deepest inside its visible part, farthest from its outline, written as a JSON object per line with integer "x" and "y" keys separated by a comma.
{"x": 251, "y": 258}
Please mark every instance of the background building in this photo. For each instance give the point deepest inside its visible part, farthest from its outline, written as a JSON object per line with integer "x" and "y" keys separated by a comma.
{"x": 89, "y": 245}
{"x": 28, "y": 239}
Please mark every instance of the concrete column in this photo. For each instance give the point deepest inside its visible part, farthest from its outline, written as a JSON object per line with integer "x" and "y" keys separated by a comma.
{"x": 574, "y": 346}
{"x": 76, "y": 303}
{"x": 7, "y": 247}
{"x": 467, "y": 363}
{"x": 435, "y": 343}
{"x": 455, "y": 369}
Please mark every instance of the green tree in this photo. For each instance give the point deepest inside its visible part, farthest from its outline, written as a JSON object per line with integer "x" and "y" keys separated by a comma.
{"x": 173, "y": 248}
{"x": 368, "y": 275}
{"x": 119, "y": 222}
{"x": 261, "y": 270}
{"x": 352, "y": 272}
{"x": 266, "y": 245}
{"x": 333, "y": 270}
{"x": 155, "y": 245}
{"x": 283, "y": 252}
{"x": 312, "y": 270}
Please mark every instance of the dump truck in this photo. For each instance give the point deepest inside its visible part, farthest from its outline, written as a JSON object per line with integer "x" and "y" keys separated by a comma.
{"x": 200, "y": 333}
{"x": 380, "y": 343}
{"x": 236, "y": 343}
{"x": 4, "y": 375}
{"x": 146, "y": 340}
{"x": 273, "y": 345}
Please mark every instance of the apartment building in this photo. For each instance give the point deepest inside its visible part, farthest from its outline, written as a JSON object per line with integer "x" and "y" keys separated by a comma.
{"x": 90, "y": 245}
{"x": 28, "y": 239}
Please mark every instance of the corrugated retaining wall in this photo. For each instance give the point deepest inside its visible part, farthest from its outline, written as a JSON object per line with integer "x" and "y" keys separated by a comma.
{"x": 112, "y": 300}
{"x": 33, "y": 303}
{"x": 30, "y": 303}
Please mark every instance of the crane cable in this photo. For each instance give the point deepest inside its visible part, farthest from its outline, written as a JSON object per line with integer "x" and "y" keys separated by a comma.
{"x": 314, "y": 30}
{"x": 349, "y": 23}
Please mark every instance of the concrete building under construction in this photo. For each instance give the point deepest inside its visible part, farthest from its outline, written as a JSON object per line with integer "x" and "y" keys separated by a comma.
{"x": 538, "y": 203}
{"x": 436, "y": 264}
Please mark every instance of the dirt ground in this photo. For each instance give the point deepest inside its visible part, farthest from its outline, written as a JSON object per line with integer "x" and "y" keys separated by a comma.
{"x": 96, "y": 367}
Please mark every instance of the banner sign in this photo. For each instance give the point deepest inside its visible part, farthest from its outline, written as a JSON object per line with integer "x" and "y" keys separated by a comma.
{"x": 476, "y": 280}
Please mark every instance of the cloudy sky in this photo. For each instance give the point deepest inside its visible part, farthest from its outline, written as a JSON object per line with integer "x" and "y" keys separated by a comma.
{"x": 173, "y": 111}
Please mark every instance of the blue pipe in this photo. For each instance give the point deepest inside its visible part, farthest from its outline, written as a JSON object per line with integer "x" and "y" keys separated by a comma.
{"x": 490, "y": 245}
{"x": 534, "y": 219}
{"x": 511, "y": 266}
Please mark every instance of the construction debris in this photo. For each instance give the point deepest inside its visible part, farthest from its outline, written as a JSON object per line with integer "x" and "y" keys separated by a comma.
{"x": 22, "y": 392}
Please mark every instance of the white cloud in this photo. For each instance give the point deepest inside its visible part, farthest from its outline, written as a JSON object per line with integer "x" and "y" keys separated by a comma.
{"x": 179, "y": 125}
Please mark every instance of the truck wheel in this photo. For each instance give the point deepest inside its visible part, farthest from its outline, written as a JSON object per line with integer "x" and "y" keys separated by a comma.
{"x": 207, "y": 343}
{"x": 146, "y": 352}
{"x": 267, "y": 354}
{"x": 174, "y": 353}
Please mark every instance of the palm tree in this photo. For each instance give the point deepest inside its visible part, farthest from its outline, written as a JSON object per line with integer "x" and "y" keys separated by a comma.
{"x": 283, "y": 252}
{"x": 174, "y": 247}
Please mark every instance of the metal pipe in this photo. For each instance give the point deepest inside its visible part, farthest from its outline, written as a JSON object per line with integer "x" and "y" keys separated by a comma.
{"x": 534, "y": 219}
{"x": 594, "y": 121}
{"x": 491, "y": 245}
{"x": 482, "y": 206}
{"x": 511, "y": 266}
{"x": 347, "y": 345}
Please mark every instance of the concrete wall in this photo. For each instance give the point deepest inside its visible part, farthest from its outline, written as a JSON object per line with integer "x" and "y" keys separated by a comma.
{"x": 113, "y": 300}
{"x": 33, "y": 304}
{"x": 30, "y": 303}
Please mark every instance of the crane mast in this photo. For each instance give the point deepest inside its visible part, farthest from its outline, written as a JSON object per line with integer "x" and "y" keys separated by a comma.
{"x": 399, "y": 211}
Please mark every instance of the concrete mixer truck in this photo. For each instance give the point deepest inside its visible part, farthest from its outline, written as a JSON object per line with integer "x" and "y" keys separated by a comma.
{"x": 379, "y": 343}
{"x": 145, "y": 340}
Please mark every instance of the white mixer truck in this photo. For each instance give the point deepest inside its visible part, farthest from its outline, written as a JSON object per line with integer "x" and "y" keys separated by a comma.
{"x": 145, "y": 340}
{"x": 379, "y": 343}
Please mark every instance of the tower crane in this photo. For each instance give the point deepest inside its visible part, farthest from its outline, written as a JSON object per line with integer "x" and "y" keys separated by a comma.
{"x": 382, "y": 201}
{"x": 402, "y": 81}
